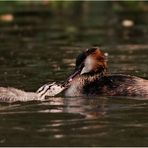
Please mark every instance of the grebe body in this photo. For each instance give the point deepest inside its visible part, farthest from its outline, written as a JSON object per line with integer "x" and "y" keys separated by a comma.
{"x": 11, "y": 94}
{"x": 111, "y": 85}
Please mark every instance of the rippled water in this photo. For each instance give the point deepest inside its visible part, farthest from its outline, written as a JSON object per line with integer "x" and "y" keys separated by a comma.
{"x": 37, "y": 49}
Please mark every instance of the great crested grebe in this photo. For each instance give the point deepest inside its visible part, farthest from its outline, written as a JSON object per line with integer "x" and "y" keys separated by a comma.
{"x": 91, "y": 77}
{"x": 11, "y": 94}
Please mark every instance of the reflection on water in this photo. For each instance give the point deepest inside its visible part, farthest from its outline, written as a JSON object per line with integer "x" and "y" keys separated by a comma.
{"x": 37, "y": 49}
{"x": 74, "y": 121}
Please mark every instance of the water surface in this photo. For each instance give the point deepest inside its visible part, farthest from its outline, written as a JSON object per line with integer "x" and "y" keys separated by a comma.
{"x": 35, "y": 49}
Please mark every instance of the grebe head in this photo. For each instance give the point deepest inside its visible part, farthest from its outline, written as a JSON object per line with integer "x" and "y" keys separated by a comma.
{"x": 50, "y": 90}
{"x": 89, "y": 63}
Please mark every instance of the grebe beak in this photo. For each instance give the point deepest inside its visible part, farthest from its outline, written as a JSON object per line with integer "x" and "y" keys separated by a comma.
{"x": 76, "y": 72}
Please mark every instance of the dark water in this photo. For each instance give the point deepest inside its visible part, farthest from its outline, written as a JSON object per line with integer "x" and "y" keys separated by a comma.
{"x": 36, "y": 48}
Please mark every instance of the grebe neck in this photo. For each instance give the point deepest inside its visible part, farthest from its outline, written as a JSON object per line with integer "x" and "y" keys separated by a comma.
{"x": 77, "y": 85}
